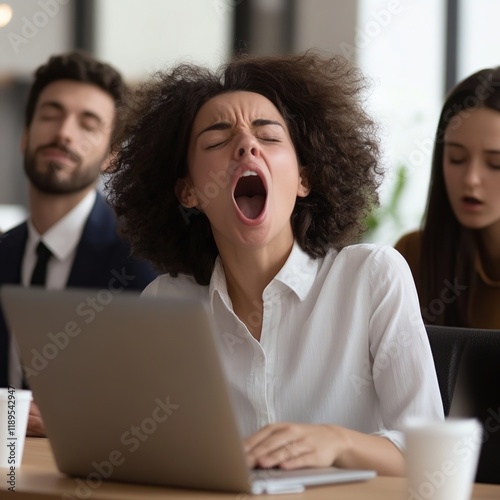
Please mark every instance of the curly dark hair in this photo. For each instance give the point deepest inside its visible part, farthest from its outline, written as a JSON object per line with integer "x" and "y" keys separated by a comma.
{"x": 81, "y": 67}
{"x": 448, "y": 249}
{"x": 335, "y": 141}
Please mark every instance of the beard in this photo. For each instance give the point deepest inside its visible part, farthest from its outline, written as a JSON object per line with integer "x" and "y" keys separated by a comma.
{"x": 49, "y": 180}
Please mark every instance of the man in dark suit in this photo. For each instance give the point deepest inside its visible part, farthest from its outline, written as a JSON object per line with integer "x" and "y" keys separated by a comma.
{"x": 70, "y": 239}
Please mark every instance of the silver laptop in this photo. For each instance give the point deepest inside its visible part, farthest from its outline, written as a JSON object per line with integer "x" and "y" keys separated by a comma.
{"x": 132, "y": 389}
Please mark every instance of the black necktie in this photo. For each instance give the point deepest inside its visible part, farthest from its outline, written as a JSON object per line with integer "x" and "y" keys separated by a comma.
{"x": 40, "y": 271}
{"x": 38, "y": 276}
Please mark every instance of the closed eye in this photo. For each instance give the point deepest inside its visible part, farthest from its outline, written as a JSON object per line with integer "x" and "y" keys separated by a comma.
{"x": 49, "y": 117}
{"x": 90, "y": 128}
{"x": 217, "y": 144}
{"x": 269, "y": 139}
{"x": 91, "y": 125}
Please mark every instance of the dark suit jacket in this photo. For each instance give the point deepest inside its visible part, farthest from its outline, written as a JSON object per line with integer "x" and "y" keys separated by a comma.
{"x": 102, "y": 260}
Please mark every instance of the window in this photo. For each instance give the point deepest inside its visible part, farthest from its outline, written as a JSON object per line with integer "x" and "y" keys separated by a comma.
{"x": 400, "y": 46}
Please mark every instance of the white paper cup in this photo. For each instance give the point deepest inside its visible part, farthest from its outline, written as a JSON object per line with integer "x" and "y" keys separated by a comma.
{"x": 14, "y": 412}
{"x": 441, "y": 458}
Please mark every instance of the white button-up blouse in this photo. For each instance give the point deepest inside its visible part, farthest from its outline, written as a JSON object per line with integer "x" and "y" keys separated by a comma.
{"x": 342, "y": 343}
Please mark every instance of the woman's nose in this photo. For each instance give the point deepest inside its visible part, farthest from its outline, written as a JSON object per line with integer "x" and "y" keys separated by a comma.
{"x": 473, "y": 174}
{"x": 247, "y": 145}
{"x": 253, "y": 151}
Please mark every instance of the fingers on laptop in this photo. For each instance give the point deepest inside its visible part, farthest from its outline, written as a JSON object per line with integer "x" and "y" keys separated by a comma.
{"x": 293, "y": 446}
{"x": 35, "y": 422}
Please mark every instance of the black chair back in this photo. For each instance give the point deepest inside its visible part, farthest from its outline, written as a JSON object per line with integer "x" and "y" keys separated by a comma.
{"x": 471, "y": 357}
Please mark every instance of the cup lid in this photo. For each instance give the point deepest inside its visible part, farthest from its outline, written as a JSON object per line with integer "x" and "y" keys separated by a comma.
{"x": 450, "y": 425}
{"x": 21, "y": 394}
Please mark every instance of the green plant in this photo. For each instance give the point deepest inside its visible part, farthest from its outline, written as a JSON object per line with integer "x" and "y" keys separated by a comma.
{"x": 388, "y": 213}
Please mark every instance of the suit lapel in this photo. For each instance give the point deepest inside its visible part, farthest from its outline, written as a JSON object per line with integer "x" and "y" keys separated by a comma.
{"x": 99, "y": 232}
{"x": 12, "y": 246}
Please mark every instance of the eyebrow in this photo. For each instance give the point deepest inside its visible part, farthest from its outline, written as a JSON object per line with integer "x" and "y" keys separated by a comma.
{"x": 59, "y": 107}
{"x": 458, "y": 145}
{"x": 260, "y": 122}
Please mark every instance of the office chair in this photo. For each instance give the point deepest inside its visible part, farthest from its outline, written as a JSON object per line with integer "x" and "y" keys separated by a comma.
{"x": 470, "y": 357}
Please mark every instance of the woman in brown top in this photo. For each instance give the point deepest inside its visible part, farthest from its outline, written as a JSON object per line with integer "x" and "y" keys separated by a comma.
{"x": 455, "y": 258}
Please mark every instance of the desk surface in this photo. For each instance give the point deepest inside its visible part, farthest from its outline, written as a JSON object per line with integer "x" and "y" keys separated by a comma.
{"x": 38, "y": 479}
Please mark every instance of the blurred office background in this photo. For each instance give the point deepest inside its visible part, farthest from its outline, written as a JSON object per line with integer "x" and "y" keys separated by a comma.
{"x": 413, "y": 51}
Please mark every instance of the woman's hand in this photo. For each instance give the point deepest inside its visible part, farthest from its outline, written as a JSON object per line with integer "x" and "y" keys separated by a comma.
{"x": 35, "y": 422}
{"x": 293, "y": 446}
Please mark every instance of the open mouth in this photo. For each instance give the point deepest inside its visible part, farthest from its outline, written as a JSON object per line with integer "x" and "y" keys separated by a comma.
{"x": 470, "y": 200}
{"x": 250, "y": 194}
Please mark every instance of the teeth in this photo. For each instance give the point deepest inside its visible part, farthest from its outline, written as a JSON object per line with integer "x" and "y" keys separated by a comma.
{"x": 248, "y": 173}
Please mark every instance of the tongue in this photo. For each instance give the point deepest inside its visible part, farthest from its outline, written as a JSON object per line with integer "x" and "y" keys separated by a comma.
{"x": 251, "y": 206}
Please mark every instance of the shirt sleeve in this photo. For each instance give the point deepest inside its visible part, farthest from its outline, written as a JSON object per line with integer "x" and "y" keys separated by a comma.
{"x": 409, "y": 246}
{"x": 152, "y": 289}
{"x": 179, "y": 287}
{"x": 403, "y": 369}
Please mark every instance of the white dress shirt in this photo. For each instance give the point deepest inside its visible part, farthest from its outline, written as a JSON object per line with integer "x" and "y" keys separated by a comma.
{"x": 62, "y": 240}
{"x": 342, "y": 342}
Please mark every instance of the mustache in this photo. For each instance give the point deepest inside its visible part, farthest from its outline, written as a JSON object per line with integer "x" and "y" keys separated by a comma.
{"x": 61, "y": 147}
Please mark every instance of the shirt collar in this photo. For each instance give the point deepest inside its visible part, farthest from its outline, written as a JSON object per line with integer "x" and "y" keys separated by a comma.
{"x": 218, "y": 284}
{"x": 298, "y": 274}
{"x": 63, "y": 237}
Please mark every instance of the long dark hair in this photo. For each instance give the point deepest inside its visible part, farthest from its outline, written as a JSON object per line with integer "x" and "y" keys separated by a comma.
{"x": 449, "y": 249}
